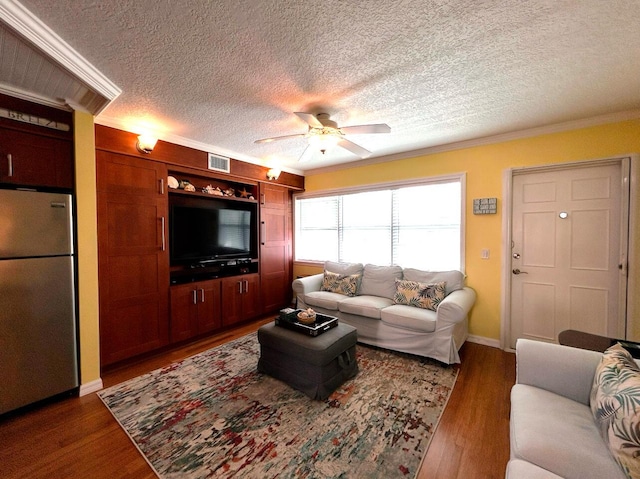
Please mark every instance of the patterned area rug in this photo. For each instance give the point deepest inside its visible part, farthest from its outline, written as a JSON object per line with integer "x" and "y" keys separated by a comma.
{"x": 214, "y": 415}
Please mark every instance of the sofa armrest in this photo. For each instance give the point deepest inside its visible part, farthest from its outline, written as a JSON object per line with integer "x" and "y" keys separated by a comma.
{"x": 307, "y": 284}
{"x": 456, "y": 306}
{"x": 559, "y": 369}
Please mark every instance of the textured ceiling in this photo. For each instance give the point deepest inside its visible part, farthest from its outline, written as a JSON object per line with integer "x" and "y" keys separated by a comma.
{"x": 223, "y": 74}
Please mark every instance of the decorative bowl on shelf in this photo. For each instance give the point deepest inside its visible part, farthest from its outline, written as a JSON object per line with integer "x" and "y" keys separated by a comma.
{"x": 307, "y": 316}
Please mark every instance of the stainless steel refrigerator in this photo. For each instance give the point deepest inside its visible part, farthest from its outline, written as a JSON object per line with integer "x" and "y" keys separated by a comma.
{"x": 38, "y": 340}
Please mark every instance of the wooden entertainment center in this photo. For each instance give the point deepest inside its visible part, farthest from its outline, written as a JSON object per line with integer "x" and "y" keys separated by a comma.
{"x": 141, "y": 308}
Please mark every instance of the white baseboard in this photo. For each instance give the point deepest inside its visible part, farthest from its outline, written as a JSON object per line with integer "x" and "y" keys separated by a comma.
{"x": 494, "y": 343}
{"x": 90, "y": 387}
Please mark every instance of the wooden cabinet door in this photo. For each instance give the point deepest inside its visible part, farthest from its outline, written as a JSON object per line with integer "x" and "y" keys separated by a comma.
{"x": 184, "y": 312}
{"x": 275, "y": 260}
{"x": 232, "y": 300}
{"x": 273, "y": 196}
{"x": 195, "y": 309}
{"x": 209, "y": 295}
{"x": 250, "y": 296}
{"x": 133, "y": 260}
{"x": 34, "y": 160}
{"x": 275, "y": 247}
{"x": 240, "y": 298}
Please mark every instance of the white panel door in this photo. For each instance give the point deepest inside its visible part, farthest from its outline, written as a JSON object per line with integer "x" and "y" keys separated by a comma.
{"x": 566, "y": 253}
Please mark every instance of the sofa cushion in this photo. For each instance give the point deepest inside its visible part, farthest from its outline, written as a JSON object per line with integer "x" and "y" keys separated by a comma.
{"x": 615, "y": 403}
{"x": 559, "y": 435}
{"x": 454, "y": 279}
{"x": 380, "y": 280}
{"x": 340, "y": 283}
{"x": 368, "y": 306}
{"x": 419, "y": 295}
{"x": 324, "y": 299}
{"x": 408, "y": 317}
{"x": 519, "y": 469}
{"x": 343, "y": 268}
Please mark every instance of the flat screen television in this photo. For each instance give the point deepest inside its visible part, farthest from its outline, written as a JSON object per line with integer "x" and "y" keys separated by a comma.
{"x": 203, "y": 230}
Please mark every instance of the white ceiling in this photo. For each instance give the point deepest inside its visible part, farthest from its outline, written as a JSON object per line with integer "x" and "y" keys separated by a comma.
{"x": 219, "y": 75}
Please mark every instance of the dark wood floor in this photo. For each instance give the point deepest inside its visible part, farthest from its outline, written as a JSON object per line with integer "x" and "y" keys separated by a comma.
{"x": 78, "y": 437}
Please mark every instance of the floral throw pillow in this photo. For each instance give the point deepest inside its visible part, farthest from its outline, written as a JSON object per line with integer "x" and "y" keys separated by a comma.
{"x": 615, "y": 404}
{"x": 420, "y": 295}
{"x": 340, "y": 283}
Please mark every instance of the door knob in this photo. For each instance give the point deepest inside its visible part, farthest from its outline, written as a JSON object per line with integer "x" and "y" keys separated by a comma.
{"x": 517, "y": 271}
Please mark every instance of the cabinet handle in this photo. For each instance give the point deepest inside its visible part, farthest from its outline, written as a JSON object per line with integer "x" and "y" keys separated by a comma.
{"x": 240, "y": 287}
{"x": 263, "y": 199}
{"x": 195, "y": 296}
{"x": 10, "y": 161}
{"x": 246, "y": 286}
{"x": 164, "y": 239}
{"x": 202, "y": 295}
{"x": 263, "y": 232}
{"x": 162, "y": 186}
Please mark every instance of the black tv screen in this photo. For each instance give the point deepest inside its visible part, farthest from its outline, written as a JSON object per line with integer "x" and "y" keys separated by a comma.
{"x": 209, "y": 229}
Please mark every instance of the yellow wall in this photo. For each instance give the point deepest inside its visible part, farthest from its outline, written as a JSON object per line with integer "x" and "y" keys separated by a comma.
{"x": 484, "y": 167}
{"x": 85, "y": 158}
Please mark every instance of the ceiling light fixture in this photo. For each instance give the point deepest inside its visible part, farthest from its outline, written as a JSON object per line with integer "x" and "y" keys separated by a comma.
{"x": 273, "y": 174}
{"x": 146, "y": 144}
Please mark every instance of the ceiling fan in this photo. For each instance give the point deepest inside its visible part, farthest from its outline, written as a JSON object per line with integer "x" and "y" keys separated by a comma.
{"x": 324, "y": 133}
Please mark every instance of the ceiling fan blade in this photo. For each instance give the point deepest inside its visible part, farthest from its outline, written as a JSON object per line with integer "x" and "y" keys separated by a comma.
{"x": 278, "y": 138}
{"x": 353, "y": 148}
{"x": 310, "y": 119}
{"x": 306, "y": 154}
{"x": 358, "y": 129}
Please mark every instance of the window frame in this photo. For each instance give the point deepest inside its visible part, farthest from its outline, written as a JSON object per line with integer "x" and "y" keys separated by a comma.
{"x": 422, "y": 181}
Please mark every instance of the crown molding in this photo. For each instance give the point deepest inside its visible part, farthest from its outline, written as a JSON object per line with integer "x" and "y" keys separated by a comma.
{"x": 32, "y": 97}
{"x": 487, "y": 140}
{"x": 28, "y": 26}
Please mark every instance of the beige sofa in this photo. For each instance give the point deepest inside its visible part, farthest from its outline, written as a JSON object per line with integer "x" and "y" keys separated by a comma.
{"x": 381, "y": 322}
{"x": 553, "y": 431}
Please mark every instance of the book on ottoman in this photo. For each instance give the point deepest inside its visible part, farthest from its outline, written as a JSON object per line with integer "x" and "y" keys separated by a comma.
{"x": 289, "y": 319}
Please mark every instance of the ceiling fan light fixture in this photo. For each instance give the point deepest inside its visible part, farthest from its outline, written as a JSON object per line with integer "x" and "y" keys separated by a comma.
{"x": 323, "y": 140}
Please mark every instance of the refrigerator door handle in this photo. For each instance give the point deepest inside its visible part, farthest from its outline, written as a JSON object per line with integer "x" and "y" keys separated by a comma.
{"x": 10, "y": 161}
{"x": 58, "y": 204}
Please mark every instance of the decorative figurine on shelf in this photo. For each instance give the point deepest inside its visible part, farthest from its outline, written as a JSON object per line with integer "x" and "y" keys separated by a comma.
{"x": 186, "y": 185}
{"x": 229, "y": 192}
{"x": 243, "y": 193}
{"x": 212, "y": 190}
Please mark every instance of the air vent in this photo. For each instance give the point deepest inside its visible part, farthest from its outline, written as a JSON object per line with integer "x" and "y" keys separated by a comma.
{"x": 219, "y": 163}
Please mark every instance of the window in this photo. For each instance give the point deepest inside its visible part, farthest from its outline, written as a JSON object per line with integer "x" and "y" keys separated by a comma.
{"x": 416, "y": 224}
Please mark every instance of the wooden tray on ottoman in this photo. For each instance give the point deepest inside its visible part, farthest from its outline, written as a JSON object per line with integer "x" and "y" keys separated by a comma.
{"x": 289, "y": 319}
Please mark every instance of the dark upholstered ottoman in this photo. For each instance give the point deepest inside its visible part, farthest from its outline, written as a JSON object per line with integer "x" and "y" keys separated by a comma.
{"x": 314, "y": 365}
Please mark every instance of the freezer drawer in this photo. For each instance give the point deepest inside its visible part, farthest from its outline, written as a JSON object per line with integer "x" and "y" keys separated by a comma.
{"x": 38, "y": 347}
{"x": 35, "y": 224}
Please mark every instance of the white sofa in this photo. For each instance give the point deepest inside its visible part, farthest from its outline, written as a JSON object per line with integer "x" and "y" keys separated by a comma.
{"x": 381, "y": 322}
{"x": 553, "y": 433}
